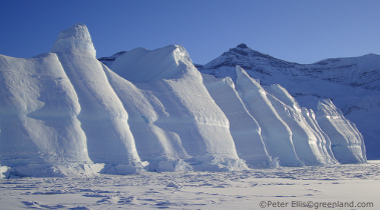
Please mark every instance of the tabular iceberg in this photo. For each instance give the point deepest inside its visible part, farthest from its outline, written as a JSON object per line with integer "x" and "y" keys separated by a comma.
{"x": 64, "y": 112}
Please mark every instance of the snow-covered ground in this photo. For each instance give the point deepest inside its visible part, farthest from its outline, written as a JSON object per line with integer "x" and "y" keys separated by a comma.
{"x": 346, "y": 186}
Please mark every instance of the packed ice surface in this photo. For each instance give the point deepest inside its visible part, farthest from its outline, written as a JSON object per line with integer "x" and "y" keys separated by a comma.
{"x": 64, "y": 113}
{"x": 348, "y": 186}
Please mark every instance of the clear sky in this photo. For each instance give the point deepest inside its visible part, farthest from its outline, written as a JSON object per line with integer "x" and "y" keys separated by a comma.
{"x": 300, "y": 31}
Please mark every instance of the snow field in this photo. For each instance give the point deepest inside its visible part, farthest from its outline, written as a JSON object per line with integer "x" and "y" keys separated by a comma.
{"x": 246, "y": 189}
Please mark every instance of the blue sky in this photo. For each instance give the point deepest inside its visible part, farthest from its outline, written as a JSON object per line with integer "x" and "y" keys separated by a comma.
{"x": 293, "y": 30}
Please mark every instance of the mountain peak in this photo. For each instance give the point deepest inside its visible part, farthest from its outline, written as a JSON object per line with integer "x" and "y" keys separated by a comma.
{"x": 75, "y": 38}
{"x": 242, "y": 45}
{"x": 245, "y": 57}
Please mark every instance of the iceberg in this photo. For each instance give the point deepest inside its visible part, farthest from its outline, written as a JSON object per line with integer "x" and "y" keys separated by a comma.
{"x": 275, "y": 132}
{"x": 75, "y": 39}
{"x": 64, "y": 113}
{"x": 346, "y": 141}
{"x": 310, "y": 145}
{"x": 244, "y": 128}
{"x": 179, "y": 113}
{"x": 351, "y": 83}
{"x": 38, "y": 112}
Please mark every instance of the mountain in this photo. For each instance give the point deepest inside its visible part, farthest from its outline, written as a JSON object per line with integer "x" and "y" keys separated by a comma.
{"x": 356, "y": 72}
{"x": 65, "y": 113}
{"x": 353, "y": 84}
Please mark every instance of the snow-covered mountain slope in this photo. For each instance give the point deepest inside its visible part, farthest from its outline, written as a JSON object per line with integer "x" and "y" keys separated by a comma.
{"x": 352, "y": 83}
{"x": 357, "y": 71}
{"x": 64, "y": 113}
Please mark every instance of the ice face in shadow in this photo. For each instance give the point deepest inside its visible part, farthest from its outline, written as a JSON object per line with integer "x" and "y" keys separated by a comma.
{"x": 346, "y": 141}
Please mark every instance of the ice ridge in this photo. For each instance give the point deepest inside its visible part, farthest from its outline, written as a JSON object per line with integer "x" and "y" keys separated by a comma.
{"x": 65, "y": 113}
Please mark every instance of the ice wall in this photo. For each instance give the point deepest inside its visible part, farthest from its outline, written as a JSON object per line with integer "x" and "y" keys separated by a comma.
{"x": 38, "y": 113}
{"x": 64, "y": 113}
{"x": 58, "y": 108}
{"x": 103, "y": 117}
{"x": 310, "y": 145}
{"x": 180, "y": 114}
{"x": 244, "y": 128}
{"x": 276, "y": 133}
{"x": 346, "y": 141}
{"x": 161, "y": 148}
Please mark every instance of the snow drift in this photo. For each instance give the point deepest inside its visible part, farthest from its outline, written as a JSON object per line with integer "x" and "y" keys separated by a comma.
{"x": 65, "y": 113}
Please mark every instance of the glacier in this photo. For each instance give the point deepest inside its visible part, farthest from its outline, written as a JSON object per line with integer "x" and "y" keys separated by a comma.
{"x": 65, "y": 113}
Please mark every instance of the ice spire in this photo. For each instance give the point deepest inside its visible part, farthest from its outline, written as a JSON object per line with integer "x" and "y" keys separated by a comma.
{"x": 75, "y": 39}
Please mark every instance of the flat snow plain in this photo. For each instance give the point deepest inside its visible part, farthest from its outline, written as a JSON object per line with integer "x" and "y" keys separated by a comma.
{"x": 351, "y": 186}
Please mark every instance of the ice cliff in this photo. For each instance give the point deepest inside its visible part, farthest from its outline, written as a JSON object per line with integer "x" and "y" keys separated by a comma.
{"x": 65, "y": 113}
{"x": 351, "y": 83}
